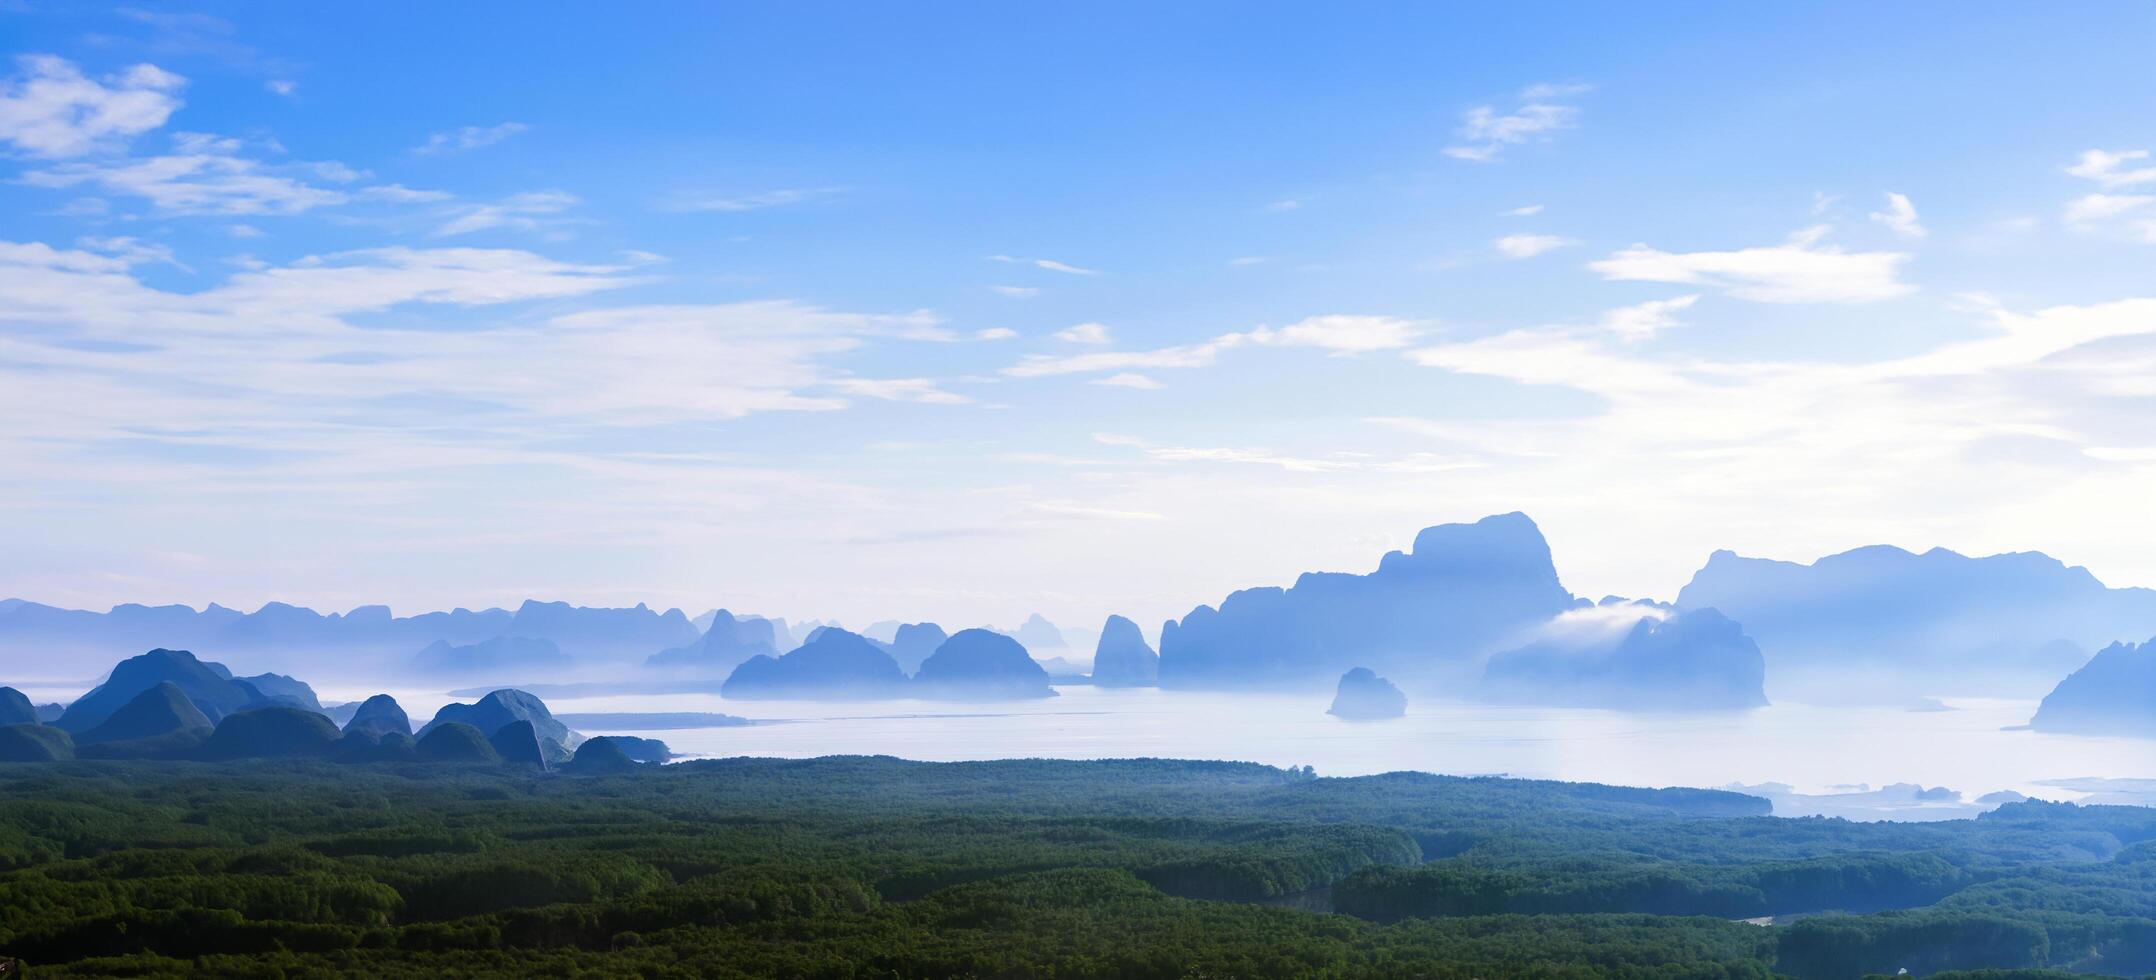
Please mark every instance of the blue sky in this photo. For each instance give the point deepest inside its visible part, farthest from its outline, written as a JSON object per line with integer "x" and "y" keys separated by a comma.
{"x": 966, "y": 311}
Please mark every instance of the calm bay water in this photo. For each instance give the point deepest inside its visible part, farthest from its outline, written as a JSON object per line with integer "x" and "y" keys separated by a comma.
{"x": 1823, "y": 755}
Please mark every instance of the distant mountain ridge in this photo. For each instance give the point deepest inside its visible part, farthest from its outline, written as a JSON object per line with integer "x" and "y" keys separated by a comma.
{"x": 1462, "y": 590}
{"x": 33, "y": 629}
{"x": 1884, "y": 624}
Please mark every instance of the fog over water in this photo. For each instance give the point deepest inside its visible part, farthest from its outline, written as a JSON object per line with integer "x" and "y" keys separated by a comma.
{"x": 1824, "y": 755}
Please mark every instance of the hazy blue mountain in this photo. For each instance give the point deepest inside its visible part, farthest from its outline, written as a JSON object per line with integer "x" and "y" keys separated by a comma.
{"x": 1123, "y": 658}
{"x": 981, "y": 665}
{"x": 914, "y": 642}
{"x": 277, "y": 732}
{"x": 596, "y": 633}
{"x": 1063, "y": 670}
{"x": 725, "y": 644}
{"x": 642, "y": 749}
{"x": 2113, "y": 694}
{"x": 1628, "y": 656}
{"x": 455, "y": 742}
{"x": 502, "y": 708}
{"x": 35, "y": 743}
{"x": 1423, "y": 616}
{"x": 379, "y": 715}
{"x": 49, "y": 713}
{"x": 601, "y": 756}
{"x": 208, "y": 684}
{"x": 1364, "y": 696}
{"x": 370, "y": 746}
{"x": 15, "y": 709}
{"x": 495, "y": 655}
{"x": 1038, "y": 635}
{"x": 882, "y": 631}
{"x": 157, "y": 723}
{"x": 280, "y": 689}
{"x": 518, "y": 744}
{"x": 1881, "y": 624}
{"x": 276, "y": 628}
{"x": 833, "y": 665}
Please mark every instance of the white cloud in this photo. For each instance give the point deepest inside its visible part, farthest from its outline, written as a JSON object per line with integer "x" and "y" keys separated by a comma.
{"x": 1529, "y": 246}
{"x": 1800, "y": 270}
{"x": 1900, "y": 217}
{"x": 1128, "y": 379}
{"x": 758, "y": 201}
{"x": 400, "y": 194}
{"x": 51, "y": 109}
{"x": 995, "y": 333}
{"x": 1285, "y": 204}
{"x": 469, "y": 138}
{"x": 526, "y": 212}
{"x": 1484, "y": 132}
{"x": 1246, "y": 261}
{"x": 924, "y": 390}
{"x": 1085, "y": 333}
{"x": 2109, "y": 168}
{"x": 1049, "y": 264}
{"x": 1524, "y": 211}
{"x": 1016, "y": 292}
{"x": 282, "y": 86}
{"x": 1644, "y": 320}
{"x": 1342, "y": 334}
{"x": 2122, "y": 215}
{"x": 206, "y": 176}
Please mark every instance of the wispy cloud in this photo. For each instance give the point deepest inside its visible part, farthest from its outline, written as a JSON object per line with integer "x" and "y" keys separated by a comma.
{"x": 924, "y": 390}
{"x": 1641, "y": 321}
{"x": 757, "y": 201}
{"x": 205, "y": 175}
{"x": 50, "y": 109}
{"x": 2111, "y": 169}
{"x": 1485, "y": 132}
{"x": 1523, "y": 211}
{"x": 527, "y": 211}
{"x": 2127, "y": 215}
{"x": 1128, "y": 379}
{"x": 1800, "y": 270}
{"x": 468, "y": 138}
{"x": 1016, "y": 292}
{"x": 1341, "y": 334}
{"x": 1084, "y": 333}
{"x": 995, "y": 333}
{"x": 1900, "y": 217}
{"x": 1529, "y": 246}
{"x": 1049, "y": 264}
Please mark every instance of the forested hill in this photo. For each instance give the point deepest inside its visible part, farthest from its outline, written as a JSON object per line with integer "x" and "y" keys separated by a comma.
{"x": 874, "y": 867}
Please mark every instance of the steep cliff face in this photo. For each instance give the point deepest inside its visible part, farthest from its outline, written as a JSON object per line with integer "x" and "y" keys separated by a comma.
{"x": 1123, "y": 658}
{"x": 2113, "y": 694}
{"x": 1463, "y": 590}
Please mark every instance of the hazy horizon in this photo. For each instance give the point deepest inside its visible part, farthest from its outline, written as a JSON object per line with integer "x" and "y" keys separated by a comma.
{"x": 804, "y": 311}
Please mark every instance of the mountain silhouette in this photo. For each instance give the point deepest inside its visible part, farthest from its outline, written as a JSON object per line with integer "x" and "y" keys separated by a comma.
{"x": 833, "y": 665}
{"x": 1364, "y": 696}
{"x": 518, "y": 744}
{"x": 1631, "y": 656}
{"x": 981, "y": 665}
{"x": 500, "y": 709}
{"x": 208, "y": 684}
{"x": 35, "y": 743}
{"x": 1881, "y": 624}
{"x": 496, "y": 655}
{"x": 1425, "y": 614}
{"x": 1123, "y": 659}
{"x": 277, "y": 732}
{"x": 455, "y": 742}
{"x": 2113, "y": 694}
{"x": 1038, "y": 635}
{"x": 915, "y": 642}
{"x": 158, "y": 722}
{"x": 15, "y": 709}
{"x": 380, "y": 715}
{"x": 724, "y": 645}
